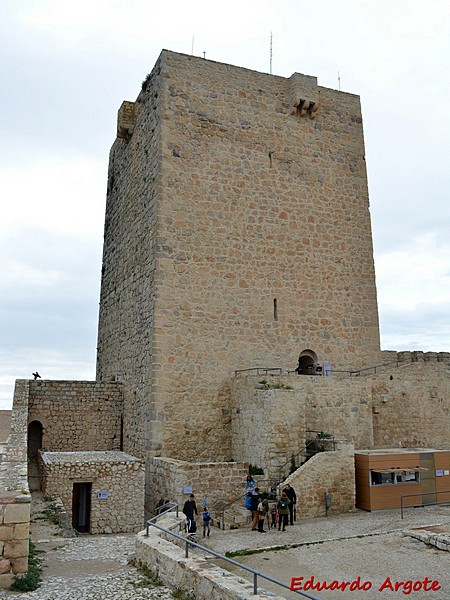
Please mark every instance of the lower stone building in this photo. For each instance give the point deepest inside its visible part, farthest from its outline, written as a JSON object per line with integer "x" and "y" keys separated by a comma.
{"x": 102, "y": 492}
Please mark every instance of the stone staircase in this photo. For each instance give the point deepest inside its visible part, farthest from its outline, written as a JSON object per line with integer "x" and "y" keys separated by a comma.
{"x": 234, "y": 516}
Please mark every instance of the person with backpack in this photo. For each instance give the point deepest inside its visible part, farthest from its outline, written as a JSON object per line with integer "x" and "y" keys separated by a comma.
{"x": 290, "y": 493}
{"x": 283, "y": 511}
{"x": 206, "y": 522}
{"x": 189, "y": 509}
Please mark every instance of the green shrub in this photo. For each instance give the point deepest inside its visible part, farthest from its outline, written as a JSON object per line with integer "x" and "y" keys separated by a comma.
{"x": 33, "y": 577}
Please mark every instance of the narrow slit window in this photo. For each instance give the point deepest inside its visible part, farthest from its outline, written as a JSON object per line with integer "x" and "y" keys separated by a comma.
{"x": 275, "y": 310}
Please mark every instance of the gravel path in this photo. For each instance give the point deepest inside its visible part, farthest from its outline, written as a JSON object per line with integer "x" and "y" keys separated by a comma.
{"x": 85, "y": 567}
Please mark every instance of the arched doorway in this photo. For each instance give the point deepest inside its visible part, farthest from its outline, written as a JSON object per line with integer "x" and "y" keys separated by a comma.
{"x": 307, "y": 362}
{"x": 34, "y": 443}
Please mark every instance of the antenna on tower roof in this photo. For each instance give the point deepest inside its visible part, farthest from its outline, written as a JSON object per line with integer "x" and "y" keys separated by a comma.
{"x": 339, "y": 81}
{"x": 192, "y": 47}
{"x": 271, "y": 53}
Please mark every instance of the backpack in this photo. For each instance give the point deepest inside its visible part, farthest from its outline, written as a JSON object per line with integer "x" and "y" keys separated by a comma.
{"x": 206, "y": 516}
{"x": 283, "y": 504}
{"x": 248, "y": 502}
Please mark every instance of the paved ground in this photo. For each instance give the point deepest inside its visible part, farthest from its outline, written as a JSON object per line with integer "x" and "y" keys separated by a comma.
{"x": 369, "y": 545}
{"x": 86, "y": 567}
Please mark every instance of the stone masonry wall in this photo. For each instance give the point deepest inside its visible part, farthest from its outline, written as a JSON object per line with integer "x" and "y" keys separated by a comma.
{"x": 326, "y": 472}
{"x": 129, "y": 270}
{"x": 268, "y": 426}
{"x": 121, "y": 475}
{"x": 13, "y": 467}
{"x": 411, "y": 403}
{"x": 14, "y": 534}
{"x": 217, "y": 482}
{"x": 14, "y": 495}
{"x": 223, "y": 196}
{"x": 77, "y": 415}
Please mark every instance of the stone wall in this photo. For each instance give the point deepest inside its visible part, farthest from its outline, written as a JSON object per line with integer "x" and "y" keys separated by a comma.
{"x": 13, "y": 467}
{"x": 224, "y": 195}
{"x": 77, "y": 415}
{"x": 120, "y": 475}
{"x": 326, "y": 472}
{"x": 269, "y": 425}
{"x": 14, "y": 495}
{"x": 411, "y": 403}
{"x": 218, "y": 482}
{"x": 14, "y": 534}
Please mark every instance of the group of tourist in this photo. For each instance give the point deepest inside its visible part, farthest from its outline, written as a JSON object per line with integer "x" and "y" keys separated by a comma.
{"x": 265, "y": 508}
{"x": 276, "y": 512}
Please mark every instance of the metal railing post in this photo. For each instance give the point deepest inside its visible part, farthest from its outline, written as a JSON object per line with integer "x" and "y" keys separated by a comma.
{"x": 210, "y": 552}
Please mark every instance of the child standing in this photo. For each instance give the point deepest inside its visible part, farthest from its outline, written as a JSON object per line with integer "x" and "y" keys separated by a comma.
{"x": 273, "y": 514}
{"x": 206, "y": 522}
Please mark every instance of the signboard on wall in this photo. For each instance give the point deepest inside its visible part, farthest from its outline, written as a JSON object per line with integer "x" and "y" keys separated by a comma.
{"x": 102, "y": 495}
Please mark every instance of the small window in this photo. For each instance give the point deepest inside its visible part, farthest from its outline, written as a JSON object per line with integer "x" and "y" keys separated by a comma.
{"x": 394, "y": 477}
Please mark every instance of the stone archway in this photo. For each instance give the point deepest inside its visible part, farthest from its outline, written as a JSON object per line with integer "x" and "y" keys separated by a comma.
{"x": 306, "y": 362}
{"x": 34, "y": 444}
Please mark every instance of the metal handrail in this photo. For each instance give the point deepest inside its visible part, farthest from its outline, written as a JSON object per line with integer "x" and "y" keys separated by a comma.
{"x": 190, "y": 543}
{"x": 304, "y": 450}
{"x": 423, "y": 503}
{"x": 243, "y": 495}
{"x": 351, "y": 372}
{"x": 259, "y": 370}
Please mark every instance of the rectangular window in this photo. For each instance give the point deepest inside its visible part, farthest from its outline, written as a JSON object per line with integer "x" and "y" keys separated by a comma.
{"x": 393, "y": 477}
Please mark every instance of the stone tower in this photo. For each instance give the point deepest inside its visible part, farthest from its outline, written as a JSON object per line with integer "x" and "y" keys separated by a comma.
{"x": 237, "y": 235}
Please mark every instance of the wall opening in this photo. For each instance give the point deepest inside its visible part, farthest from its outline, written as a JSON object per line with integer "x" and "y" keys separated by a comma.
{"x": 275, "y": 310}
{"x": 34, "y": 444}
{"x": 307, "y": 363}
{"x": 81, "y": 506}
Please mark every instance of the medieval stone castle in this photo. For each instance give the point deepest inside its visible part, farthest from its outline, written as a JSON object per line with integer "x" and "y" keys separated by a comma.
{"x": 237, "y": 249}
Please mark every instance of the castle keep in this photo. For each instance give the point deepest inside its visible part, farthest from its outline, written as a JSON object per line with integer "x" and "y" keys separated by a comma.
{"x": 238, "y": 316}
{"x": 237, "y": 234}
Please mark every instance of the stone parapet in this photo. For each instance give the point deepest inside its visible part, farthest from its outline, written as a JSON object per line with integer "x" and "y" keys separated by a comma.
{"x": 217, "y": 482}
{"x": 14, "y": 535}
{"x": 197, "y": 576}
{"x": 330, "y": 473}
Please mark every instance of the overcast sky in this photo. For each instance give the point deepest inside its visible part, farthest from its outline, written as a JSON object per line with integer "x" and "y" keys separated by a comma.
{"x": 66, "y": 68}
